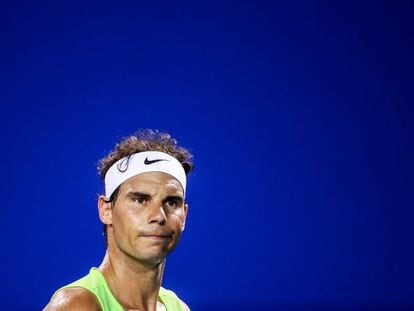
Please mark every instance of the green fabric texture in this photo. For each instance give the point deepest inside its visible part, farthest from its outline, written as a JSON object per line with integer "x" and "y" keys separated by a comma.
{"x": 95, "y": 283}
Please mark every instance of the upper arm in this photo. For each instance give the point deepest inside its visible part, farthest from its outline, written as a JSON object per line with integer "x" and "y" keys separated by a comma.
{"x": 73, "y": 299}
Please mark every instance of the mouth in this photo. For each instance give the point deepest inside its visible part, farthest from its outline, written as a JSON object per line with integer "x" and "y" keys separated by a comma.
{"x": 156, "y": 237}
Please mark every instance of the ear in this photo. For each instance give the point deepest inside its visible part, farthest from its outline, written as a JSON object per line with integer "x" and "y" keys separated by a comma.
{"x": 105, "y": 210}
{"x": 185, "y": 216}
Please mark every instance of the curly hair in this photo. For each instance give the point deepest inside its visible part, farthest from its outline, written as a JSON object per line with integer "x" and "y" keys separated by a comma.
{"x": 144, "y": 140}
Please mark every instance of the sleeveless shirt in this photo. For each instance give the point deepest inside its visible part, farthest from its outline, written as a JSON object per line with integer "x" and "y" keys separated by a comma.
{"x": 96, "y": 284}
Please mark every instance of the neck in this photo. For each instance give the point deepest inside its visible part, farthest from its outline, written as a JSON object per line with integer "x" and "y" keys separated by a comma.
{"x": 134, "y": 284}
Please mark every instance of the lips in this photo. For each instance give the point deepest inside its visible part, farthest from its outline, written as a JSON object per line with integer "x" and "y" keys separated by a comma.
{"x": 156, "y": 236}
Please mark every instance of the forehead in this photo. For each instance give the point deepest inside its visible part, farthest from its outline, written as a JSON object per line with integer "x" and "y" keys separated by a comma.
{"x": 153, "y": 181}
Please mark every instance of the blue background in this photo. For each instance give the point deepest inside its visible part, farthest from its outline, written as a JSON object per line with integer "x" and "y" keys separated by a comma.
{"x": 299, "y": 114}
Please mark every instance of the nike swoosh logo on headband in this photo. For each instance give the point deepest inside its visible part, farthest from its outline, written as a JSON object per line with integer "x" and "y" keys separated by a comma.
{"x": 148, "y": 162}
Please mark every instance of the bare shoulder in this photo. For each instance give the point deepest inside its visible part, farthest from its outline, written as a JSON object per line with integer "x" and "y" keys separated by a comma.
{"x": 73, "y": 299}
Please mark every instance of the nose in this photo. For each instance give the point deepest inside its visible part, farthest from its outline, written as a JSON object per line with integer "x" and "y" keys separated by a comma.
{"x": 157, "y": 214}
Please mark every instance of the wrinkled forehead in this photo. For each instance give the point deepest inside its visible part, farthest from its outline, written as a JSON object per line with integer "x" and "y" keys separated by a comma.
{"x": 153, "y": 182}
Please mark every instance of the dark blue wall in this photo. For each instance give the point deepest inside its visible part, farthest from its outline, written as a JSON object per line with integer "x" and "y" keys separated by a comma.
{"x": 300, "y": 116}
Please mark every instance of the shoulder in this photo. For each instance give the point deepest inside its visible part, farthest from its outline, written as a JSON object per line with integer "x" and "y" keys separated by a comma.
{"x": 73, "y": 299}
{"x": 169, "y": 293}
{"x": 184, "y": 306}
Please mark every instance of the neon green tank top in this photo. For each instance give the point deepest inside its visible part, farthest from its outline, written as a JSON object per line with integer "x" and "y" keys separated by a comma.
{"x": 96, "y": 283}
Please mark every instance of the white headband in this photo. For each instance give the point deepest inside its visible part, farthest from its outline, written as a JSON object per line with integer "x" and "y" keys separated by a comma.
{"x": 143, "y": 162}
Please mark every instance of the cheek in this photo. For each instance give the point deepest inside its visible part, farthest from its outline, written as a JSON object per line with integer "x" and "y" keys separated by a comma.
{"x": 178, "y": 217}
{"x": 122, "y": 220}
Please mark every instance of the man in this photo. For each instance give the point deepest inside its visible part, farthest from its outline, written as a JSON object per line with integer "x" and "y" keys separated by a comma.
{"x": 143, "y": 212}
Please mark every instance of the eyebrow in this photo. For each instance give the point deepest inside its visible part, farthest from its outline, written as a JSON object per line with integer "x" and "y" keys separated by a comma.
{"x": 134, "y": 194}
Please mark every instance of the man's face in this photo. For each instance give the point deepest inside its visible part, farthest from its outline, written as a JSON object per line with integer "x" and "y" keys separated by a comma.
{"x": 148, "y": 217}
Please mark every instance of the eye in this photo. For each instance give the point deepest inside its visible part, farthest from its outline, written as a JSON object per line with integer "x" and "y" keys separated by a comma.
{"x": 173, "y": 203}
{"x": 140, "y": 200}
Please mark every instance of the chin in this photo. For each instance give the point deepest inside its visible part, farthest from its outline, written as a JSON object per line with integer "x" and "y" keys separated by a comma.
{"x": 155, "y": 255}
{"x": 151, "y": 260}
